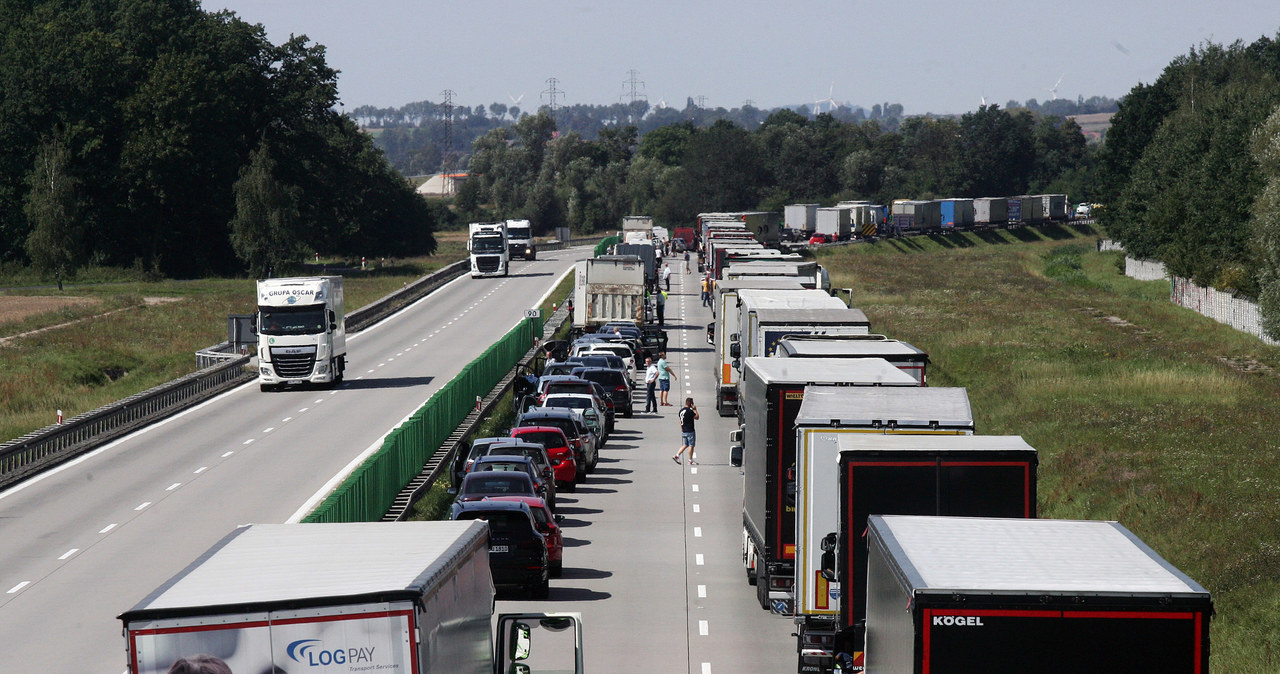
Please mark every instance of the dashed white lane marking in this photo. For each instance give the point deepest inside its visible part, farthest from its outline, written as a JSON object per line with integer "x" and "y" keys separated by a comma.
{"x": 269, "y": 429}
{"x": 199, "y": 470}
{"x": 173, "y": 486}
{"x": 286, "y": 420}
{"x": 247, "y": 442}
{"x": 399, "y": 354}
{"x": 318, "y": 401}
{"x": 228, "y": 454}
{"x": 68, "y": 553}
{"x": 702, "y": 592}
{"x": 307, "y": 408}
{"x": 702, "y": 628}
{"x": 107, "y": 528}
{"x": 369, "y": 372}
{"x": 379, "y": 365}
{"x": 694, "y": 487}
{"x": 697, "y": 532}
{"x": 706, "y": 668}
{"x": 18, "y": 587}
{"x": 697, "y": 508}
{"x": 694, "y": 470}
{"x": 697, "y": 559}
{"x": 144, "y": 505}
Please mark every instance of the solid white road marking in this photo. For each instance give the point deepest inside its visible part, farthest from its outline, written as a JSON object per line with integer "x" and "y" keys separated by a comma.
{"x": 107, "y": 528}
{"x": 142, "y": 506}
{"x": 173, "y": 486}
{"x": 68, "y": 553}
{"x": 702, "y": 591}
{"x": 19, "y": 586}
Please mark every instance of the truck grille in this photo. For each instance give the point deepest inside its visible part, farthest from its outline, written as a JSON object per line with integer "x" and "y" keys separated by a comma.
{"x": 293, "y": 362}
{"x": 487, "y": 263}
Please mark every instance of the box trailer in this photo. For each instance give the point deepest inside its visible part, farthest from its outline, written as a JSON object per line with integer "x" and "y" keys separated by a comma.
{"x": 810, "y": 274}
{"x": 724, "y": 309}
{"x": 990, "y": 211}
{"x": 608, "y": 288}
{"x": 1006, "y": 596}
{"x": 800, "y": 217}
{"x": 762, "y": 328}
{"x": 771, "y": 393}
{"x": 410, "y": 597}
{"x": 901, "y": 355}
{"x": 835, "y": 222}
{"x": 956, "y": 213}
{"x": 647, "y": 253}
{"x": 1054, "y": 206}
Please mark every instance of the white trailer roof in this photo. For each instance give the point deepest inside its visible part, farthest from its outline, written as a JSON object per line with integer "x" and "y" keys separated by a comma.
{"x": 846, "y": 406}
{"x": 828, "y": 370}
{"x": 282, "y": 562}
{"x": 1016, "y": 556}
{"x": 798, "y": 299}
{"x": 758, "y": 283}
{"x": 837, "y": 315}
{"x": 901, "y": 442}
{"x": 811, "y": 347}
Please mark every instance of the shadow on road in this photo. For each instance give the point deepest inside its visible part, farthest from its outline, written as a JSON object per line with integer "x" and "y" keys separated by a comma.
{"x": 595, "y": 490}
{"x": 612, "y": 471}
{"x": 575, "y": 542}
{"x": 576, "y": 594}
{"x": 577, "y": 572}
{"x": 608, "y": 480}
{"x": 385, "y": 383}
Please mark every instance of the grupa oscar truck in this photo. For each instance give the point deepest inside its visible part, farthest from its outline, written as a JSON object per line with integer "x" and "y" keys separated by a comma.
{"x": 490, "y": 252}
{"x": 1012, "y": 596}
{"x": 302, "y": 333}
{"x": 770, "y": 396}
{"x": 405, "y": 597}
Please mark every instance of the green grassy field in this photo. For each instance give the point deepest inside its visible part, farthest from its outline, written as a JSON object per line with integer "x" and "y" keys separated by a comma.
{"x": 99, "y": 359}
{"x": 1143, "y": 412}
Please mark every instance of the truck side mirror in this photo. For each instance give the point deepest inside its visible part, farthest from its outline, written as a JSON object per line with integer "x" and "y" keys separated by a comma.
{"x": 829, "y": 544}
{"x": 519, "y": 643}
{"x": 333, "y": 320}
{"x": 735, "y": 350}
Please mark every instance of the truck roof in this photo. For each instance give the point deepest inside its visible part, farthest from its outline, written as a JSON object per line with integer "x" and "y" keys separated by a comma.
{"x": 940, "y": 555}
{"x": 264, "y": 565}
{"x": 902, "y": 442}
{"x": 828, "y": 371}
{"x": 848, "y": 406}
{"x": 797, "y": 299}
{"x": 758, "y": 283}
{"x": 840, "y": 315}
{"x": 819, "y": 347}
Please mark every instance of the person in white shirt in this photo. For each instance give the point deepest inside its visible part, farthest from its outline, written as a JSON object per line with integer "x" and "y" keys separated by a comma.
{"x": 666, "y": 276}
{"x": 650, "y": 385}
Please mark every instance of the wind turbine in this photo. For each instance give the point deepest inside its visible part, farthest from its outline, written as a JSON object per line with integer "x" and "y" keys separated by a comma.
{"x": 515, "y": 100}
{"x": 1053, "y": 90}
{"x": 831, "y": 102}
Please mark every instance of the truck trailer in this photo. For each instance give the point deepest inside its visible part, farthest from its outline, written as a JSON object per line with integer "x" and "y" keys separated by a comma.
{"x": 902, "y": 355}
{"x": 771, "y": 393}
{"x": 800, "y": 217}
{"x": 608, "y": 288}
{"x": 810, "y": 274}
{"x": 302, "y": 331}
{"x": 724, "y": 309}
{"x": 836, "y": 222}
{"x": 1027, "y": 596}
{"x": 409, "y": 597}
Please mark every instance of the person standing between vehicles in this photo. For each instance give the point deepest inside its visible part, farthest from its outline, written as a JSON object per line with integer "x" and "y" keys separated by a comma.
{"x": 706, "y": 288}
{"x": 686, "y": 416}
{"x": 665, "y": 375}
{"x": 662, "y": 306}
{"x": 666, "y": 275}
{"x": 650, "y": 383}
{"x": 686, "y": 262}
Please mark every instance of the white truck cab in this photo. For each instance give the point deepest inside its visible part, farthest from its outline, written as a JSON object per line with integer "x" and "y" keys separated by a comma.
{"x": 490, "y": 254}
{"x": 302, "y": 335}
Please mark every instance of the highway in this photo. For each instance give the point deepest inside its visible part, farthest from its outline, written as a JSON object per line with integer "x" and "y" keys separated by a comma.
{"x": 652, "y": 554}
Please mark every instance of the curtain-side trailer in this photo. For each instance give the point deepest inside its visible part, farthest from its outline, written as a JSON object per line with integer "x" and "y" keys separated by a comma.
{"x": 771, "y": 393}
{"x": 1019, "y": 596}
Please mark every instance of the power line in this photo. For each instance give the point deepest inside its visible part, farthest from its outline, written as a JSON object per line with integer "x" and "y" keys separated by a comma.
{"x": 635, "y": 85}
{"x": 552, "y": 93}
{"x": 702, "y": 101}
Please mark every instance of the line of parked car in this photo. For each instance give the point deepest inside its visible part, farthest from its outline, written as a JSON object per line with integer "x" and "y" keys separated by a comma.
{"x": 564, "y": 416}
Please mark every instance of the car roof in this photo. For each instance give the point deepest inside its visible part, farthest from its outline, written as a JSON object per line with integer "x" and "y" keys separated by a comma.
{"x": 542, "y": 412}
{"x": 530, "y": 501}
{"x": 496, "y": 475}
{"x": 502, "y": 458}
{"x": 536, "y": 429}
{"x": 493, "y": 504}
{"x": 557, "y": 378}
{"x": 593, "y": 370}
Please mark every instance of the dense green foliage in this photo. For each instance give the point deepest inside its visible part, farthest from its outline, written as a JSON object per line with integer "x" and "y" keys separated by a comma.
{"x": 150, "y": 110}
{"x": 676, "y": 171}
{"x": 1176, "y": 172}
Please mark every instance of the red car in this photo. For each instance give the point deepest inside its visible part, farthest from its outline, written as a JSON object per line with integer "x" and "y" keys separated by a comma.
{"x": 563, "y": 462}
{"x": 548, "y": 525}
{"x": 818, "y": 239}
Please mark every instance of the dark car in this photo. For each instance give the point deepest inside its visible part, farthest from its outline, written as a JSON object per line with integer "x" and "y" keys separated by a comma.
{"x": 535, "y": 452}
{"x": 593, "y": 361}
{"x": 544, "y": 487}
{"x": 476, "y": 486}
{"x": 518, "y": 555}
{"x": 463, "y": 459}
{"x": 566, "y": 463}
{"x": 551, "y": 369}
{"x": 571, "y": 425}
{"x": 548, "y": 525}
{"x": 616, "y": 385}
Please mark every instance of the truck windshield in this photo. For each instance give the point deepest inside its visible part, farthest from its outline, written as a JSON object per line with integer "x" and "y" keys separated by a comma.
{"x": 518, "y": 232}
{"x": 292, "y": 320}
{"x": 487, "y": 244}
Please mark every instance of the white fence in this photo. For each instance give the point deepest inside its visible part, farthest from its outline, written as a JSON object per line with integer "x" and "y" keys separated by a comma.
{"x": 1222, "y": 307}
{"x": 1144, "y": 270}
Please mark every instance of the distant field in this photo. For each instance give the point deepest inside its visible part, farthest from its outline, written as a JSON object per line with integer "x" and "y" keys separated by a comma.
{"x": 1143, "y": 412}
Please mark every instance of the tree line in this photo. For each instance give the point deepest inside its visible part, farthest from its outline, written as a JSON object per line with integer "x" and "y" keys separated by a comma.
{"x": 155, "y": 134}
{"x": 532, "y": 170}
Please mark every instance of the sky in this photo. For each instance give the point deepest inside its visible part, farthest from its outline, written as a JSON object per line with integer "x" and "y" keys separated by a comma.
{"x": 938, "y": 56}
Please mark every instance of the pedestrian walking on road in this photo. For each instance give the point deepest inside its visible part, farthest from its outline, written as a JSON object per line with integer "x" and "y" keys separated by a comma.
{"x": 665, "y": 375}
{"x": 706, "y": 290}
{"x": 686, "y": 416}
{"x": 650, "y": 383}
{"x": 666, "y": 275}
{"x": 662, "y": 306}
{"x": 686, "y": 262}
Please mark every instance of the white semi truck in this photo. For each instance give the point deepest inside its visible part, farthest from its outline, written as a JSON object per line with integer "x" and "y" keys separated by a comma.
{"x": 488, "y": 247}
{"x": 358, "y": 597}
{"x": 302, "y": 334}
{"x": 520, "y": 240}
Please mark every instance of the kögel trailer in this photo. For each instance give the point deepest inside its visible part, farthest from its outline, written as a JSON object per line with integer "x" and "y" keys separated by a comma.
{"x": 407, "y": 597}
{"x": 1018, "y": 596}
{"x": 770, "y": 397}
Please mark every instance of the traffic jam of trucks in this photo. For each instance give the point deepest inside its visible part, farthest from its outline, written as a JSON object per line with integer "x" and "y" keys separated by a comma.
{"x": 875, "y": 516}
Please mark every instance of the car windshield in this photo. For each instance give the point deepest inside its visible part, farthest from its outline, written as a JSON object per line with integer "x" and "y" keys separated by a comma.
{"x": 491, "y": 483}
{"x": 569, "y": 401}
{"x": 544, "y": 438}
{"x": 500, "y": 522}
{"x": 292, "y": 321}
{"x": 501, "y": 466}
{"x": 569, "y": 387}
{"x": 570, "y": 429}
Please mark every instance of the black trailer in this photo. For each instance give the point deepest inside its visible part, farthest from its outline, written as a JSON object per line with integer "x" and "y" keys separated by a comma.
{"x": 1019, "y": 596}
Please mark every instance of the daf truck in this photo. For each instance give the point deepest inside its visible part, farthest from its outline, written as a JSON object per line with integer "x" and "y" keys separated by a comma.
{"x": 490, "y": 254}
{"x": 302, "y": 333}
{"x": 520, "y": 240}
{"x": 1019, "y": 596}
{"x": 770, "y": 396}
{"x": 408, "y": 597}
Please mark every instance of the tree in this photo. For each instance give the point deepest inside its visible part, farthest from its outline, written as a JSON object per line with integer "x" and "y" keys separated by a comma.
{"x": 56, "y": 242}
{"x": 1265, "y": 223}
{"x": 264, "y": 231}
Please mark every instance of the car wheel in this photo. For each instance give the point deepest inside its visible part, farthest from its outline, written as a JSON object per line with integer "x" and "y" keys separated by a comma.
{"x": 580, "y": 477}
{"x": 541, "y": 589}
{"x": 570, "y": 486}
{"x": 628, "y": 412}
{"x": 557, "y": 569}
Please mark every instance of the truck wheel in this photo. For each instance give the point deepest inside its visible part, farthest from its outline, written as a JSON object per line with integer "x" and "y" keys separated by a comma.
{"x": 762, "y": 587}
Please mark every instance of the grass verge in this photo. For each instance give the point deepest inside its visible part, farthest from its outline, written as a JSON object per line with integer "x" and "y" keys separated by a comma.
{"x": 1143, "y": 412}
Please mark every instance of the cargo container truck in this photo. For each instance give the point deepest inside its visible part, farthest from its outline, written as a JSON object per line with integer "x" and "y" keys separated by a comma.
{"x": 1030, "y": 209}
{"x": 725, "y": 307}
{"x": 738, "y": 255}
{"x": 766, "y": 226}
{"x": 686, "y": 234}
{"x": 990, "y": 211}
{"x": 916, "y": 216}
{"x": 761, "y": 327}
{"x": 834, "y": 222}
{"x": 1019, "y": 596}
{"x": 800, "y": 217}
{"x": 902, "y": 355}
{"x": 637, "y": 224}
{"x": 771, "y": 394}
{"x": 520, "y": 240}
{"x": 809, "y": 273}
{"x": 899, "y": 474}
{"x": 956, "y": 213}
{"x": 488, "y": 248}
{"x": 1054, "y": 207}
{"x": 608, "y": 288}
{"x": 1013, "y": 210}
{"x": 866, "y": 218}
{"x": 647, "y": 254}
{"x": 409, "y": 597}
{"x": 302, "y": 331}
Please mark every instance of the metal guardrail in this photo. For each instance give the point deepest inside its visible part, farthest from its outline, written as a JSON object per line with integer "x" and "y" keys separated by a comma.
{"x": 221, "y": 370}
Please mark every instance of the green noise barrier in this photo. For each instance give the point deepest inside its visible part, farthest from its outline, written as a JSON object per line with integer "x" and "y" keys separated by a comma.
{"x": 371, "y": 488}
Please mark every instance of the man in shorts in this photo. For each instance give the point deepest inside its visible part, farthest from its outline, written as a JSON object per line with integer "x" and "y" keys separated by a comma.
{"x": 686, "y": 416}
{"x": 665, "y": 375}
